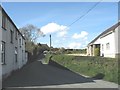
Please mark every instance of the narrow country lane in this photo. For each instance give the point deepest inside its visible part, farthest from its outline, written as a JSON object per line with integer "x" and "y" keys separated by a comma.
{"x": 38, "y": 75}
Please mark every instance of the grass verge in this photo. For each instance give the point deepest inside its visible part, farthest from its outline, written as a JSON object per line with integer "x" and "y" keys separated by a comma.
{"x": 47, "y": 58}
{"x": 90, "y": 66}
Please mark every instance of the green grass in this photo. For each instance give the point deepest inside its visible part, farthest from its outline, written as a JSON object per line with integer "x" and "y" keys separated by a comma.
{"x": 47, "y": 58}
{"x": 90, "y": 66}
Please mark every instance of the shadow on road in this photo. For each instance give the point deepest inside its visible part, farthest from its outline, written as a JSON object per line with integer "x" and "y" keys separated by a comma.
{"x": 38, "y": 74}
{"x": 56, "y": 65}
{"x": 98, "y": 76}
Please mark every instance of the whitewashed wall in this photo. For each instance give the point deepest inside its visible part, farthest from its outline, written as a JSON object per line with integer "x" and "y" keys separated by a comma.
{"x": 111, "y": 40}
{"x": 21, "y": 51}
{"x": 0, "y": 48}
{"x": 117, "y": 40}
{"x": 11, "y": 63}
{"x": 98, "y": 41}
{"x": 9, "y": 50}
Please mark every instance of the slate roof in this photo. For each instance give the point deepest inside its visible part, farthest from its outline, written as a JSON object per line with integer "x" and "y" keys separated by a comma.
{"x": 105, "y": 32}
{"x": 4, "y": 12}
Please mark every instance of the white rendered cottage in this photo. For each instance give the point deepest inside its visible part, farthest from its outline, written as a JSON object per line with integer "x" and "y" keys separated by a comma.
{"x": 107, "y": 42}
{"x": 12, "y": 45}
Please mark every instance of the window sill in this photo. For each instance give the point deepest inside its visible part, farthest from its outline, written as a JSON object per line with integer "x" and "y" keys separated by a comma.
{"x": 3, "y": 63}
{"x": 4, "y": 28}
{"x": 11, "y": 42}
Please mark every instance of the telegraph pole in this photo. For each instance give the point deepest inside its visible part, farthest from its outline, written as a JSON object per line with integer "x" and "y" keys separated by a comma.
{"x": 50, "y": 43}
{"x": 50, "y": 40}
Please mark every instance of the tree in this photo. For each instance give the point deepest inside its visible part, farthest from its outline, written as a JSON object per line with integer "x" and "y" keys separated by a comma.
{"x": 62, "y": 49}
{"x": 43, "y": 47}
{"x": 30, "y": 46}
{"x": 31, "y": 33}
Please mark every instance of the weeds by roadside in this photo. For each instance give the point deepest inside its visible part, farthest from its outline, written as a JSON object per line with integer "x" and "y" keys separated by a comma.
{"x": 105, "y": 68}
{"x": 47, "y": 58}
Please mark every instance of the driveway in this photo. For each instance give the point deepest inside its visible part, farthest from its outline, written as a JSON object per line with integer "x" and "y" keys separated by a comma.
{"x": 52, "y": 75}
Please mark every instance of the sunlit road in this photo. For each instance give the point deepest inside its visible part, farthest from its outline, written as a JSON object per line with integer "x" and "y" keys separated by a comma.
{"x": 38, "y": 75}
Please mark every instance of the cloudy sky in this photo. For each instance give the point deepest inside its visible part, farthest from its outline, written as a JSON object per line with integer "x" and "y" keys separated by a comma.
{"x": 55, "y": 18}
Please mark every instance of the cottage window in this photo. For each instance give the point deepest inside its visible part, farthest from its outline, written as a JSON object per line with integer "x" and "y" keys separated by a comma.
{"x": 20, "y": 42}
{"x": 16, "y": 34}
{"x": 16, "y": 52}
{"x": 4, "y": 21}
{"x": 22, "y": 56}
{"x": 3, "y": 53}
{"x": 107, "y": 46}
{"x": 11, "y": 36}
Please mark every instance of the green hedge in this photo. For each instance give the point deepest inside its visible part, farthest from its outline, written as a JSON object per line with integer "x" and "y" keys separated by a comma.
{"x": 90, "y": 66}
{"x": 97, "y": 51}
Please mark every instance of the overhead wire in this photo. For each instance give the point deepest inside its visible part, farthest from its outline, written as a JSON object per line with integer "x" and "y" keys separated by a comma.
{"x": 85, "y": 13}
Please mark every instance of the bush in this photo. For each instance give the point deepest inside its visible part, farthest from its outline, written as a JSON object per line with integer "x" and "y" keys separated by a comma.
{"x": 47, "y": 58}
{"x": 97, "y": 52}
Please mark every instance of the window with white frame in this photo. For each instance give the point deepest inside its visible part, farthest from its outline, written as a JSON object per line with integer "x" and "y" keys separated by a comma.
{"x": 107, "y": 46}
{"x": 4, "y": 21}
{"x": 3, "y": 52}
{"x": 16, "y": 34}
{"x": 16, "y": 54}
{"x": 11, "y": 36}
{"x": 20, "y": 41}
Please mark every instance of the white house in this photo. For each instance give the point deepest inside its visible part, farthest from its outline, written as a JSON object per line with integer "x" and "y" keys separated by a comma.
{"x": 107, "y": 42}
{"x": 0, "y": 50}
{"x": 12, "y": 45}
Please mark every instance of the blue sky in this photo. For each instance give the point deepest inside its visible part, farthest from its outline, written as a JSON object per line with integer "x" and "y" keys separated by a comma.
{"x": 54, "y": 18}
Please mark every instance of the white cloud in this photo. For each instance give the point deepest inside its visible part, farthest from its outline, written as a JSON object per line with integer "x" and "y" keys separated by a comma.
{"x": 83, "y": 34}
{"x": 62, "y": 33}
{"x": 56, "y": 41}
{"x": 74, "y": 45}
{"x": 54, "y": 27}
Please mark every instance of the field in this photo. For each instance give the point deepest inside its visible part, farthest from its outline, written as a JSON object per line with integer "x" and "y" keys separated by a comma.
{"x": 97, "y": 67}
